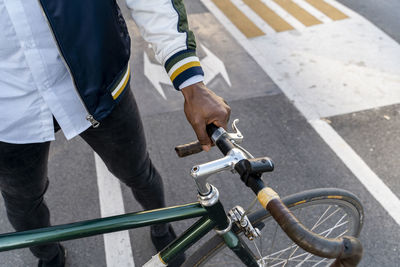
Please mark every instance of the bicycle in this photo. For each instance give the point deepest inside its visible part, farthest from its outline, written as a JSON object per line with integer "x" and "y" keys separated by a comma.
{"x": 238, "y": 230}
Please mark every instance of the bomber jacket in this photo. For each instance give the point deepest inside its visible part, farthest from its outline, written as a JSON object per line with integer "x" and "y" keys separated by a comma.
{"x": 94, "y": 43}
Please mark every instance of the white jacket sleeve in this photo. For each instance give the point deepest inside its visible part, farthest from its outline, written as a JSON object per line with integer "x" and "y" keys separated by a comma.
{"x": 164, "y": 24}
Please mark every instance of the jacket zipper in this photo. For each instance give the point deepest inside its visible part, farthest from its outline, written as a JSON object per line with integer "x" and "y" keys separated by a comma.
{"x": 89, "y": 117}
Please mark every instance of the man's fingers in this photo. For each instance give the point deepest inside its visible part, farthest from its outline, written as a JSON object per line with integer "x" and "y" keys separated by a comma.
{"x": 221, "y": 119}
{"x": 206, "y": 148}
{"x": 200, "y": 130}
{"x": 218, "y": 123}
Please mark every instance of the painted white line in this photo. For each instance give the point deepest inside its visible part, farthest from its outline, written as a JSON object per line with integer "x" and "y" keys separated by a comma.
{"x": 284, "y": 14}
{"x": 224, "y": 20}
{"x": 359, "y": 168}
{"x": 342, "y": 8}
{"x": 313, "y": 11}
{"x": 332, "y": 69}
{"x": 117, "y": 245}
{"x": 259, "y": 22}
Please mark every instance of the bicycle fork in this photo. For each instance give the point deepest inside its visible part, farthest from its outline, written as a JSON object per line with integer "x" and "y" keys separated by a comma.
{"x": 223, "y": 223}
{"x": 215, "y": 218}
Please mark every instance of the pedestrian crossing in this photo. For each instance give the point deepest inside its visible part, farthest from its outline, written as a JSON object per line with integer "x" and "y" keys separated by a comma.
{"x": 279, "y": 15}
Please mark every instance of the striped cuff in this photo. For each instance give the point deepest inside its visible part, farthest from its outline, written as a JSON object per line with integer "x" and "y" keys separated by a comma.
{"x": 182, "y": 66}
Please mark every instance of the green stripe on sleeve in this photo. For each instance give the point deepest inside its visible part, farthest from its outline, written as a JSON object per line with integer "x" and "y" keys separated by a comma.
{"x": 178, "y": 57}
{"x": 183, "y": 25}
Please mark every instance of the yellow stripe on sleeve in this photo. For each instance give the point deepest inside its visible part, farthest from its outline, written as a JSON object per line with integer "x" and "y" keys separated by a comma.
{"x": 183, "y": 68}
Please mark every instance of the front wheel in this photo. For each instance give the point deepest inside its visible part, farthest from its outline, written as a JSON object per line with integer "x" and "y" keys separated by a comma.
{"x": 328, "y": 212}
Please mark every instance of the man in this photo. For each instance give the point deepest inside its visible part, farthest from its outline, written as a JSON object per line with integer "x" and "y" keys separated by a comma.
{"x": 66, "y": 64}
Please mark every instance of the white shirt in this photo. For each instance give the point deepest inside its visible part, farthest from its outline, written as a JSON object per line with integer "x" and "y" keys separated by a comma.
{"x": 34, "y": 82}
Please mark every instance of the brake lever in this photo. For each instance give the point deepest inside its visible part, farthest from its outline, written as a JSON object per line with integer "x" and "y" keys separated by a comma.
{"x": 236, "y": 136}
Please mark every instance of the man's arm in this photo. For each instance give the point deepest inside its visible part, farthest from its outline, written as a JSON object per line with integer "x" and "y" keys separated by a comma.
{"x": 164, "y": 24}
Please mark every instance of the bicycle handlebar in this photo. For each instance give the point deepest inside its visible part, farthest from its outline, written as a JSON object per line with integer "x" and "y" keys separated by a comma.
{"x": 195, "y": 147}
{"x": 188, "y": 149}
{"x": 347, "y": 250}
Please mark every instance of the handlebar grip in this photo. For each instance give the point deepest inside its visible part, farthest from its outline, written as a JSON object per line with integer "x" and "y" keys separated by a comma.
{"x": 194, "y": 147}
{"x": 347, "y": 250}
{"x": 188, "y": 149}
{"x": 211, "y": 128}
{"x": 223, "y": 142}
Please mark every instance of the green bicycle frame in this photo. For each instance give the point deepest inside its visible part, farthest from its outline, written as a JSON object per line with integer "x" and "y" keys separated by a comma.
{"x": 210, "y": 218}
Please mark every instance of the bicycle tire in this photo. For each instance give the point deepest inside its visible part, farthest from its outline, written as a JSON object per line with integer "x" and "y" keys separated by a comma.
{"x": 347, "y": 202}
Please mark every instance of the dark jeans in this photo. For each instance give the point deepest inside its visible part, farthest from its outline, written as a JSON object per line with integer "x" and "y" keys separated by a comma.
{"x": 119, "y": 141}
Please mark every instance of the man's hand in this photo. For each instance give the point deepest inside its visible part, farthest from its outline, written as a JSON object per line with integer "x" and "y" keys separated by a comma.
{"x": 202, "y": 107}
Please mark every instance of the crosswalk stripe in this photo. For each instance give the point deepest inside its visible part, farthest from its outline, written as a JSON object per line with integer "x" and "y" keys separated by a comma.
{"x": 281, "y": 12}
{"x": 260, "y": 17}
{"x": 327, "y": 9}
{"x": 243, "y": 23}
{"x": 299, "y": 13}
{"x": 254, "y": 17}
{"x": 268, "y": 15}
{"x": 313, "y": 11}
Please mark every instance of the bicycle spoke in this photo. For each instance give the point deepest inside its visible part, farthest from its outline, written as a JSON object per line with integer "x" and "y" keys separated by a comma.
{"x": 273, "y": 240}
{"x": 295, "y": 259}
{"x": 305, "y": 259}
{"x": 325, "y": 233}
{"x": 294, "y": 251}
{"x": 316, "y": 225}
{"x": 323, "y": 218}
{"x": 329, "y": 207}
{"x": 259, "y": 253}
{"x": 280, "y": 252}
{"x": 321, "y": 261}
{"x": 328, "y": 232}
{"x": 337, "y": 225}
{"x": 284, "y": 261}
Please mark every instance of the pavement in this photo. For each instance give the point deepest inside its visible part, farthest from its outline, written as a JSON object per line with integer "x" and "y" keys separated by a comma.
{"x": 318, "y": 91}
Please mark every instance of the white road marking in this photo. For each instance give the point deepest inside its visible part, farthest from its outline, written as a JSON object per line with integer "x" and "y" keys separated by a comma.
{"x": 117, "y": 245}
{"x": 367, "y": 177}
{"x": 211, "y": 64}
{"x": 259, "y": 22}
{"x": 331, "y": 69}
{"x": 284, "y": 14}
{"x": 156, "y": 74}
{"x": 313, "y": 11}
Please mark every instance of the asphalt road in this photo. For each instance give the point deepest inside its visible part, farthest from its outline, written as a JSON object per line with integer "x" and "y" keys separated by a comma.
{"x": 273, "y": 124}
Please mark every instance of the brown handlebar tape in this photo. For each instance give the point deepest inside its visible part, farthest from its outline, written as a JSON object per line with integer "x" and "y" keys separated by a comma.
{"x": 347, "y": 250}
{"x": 188, "y": 149}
